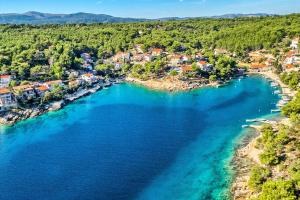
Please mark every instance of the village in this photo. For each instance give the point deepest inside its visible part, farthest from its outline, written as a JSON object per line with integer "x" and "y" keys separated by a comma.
{"x": 88, "y": 80}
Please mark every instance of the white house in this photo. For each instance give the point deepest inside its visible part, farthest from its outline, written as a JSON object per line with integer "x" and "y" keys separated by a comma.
{"x": 118, "y": 65}
{"x": 295, "y": 43}
{"x": 5, "y": 80}
{"x": 204, "y": 66}
{"x": 87, "y": 66}
{"x": 89, "y": 78}
{"x": 7, "y": 100}
{"x": 121, "y": 56}
{"x": 148, "y": 57}
{"x": 25, "y": 91}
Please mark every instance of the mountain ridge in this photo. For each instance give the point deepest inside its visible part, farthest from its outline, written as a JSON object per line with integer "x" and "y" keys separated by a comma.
{"x": 34, "y": 17}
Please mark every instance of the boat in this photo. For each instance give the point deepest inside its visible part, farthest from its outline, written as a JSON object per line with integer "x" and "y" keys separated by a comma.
{"x": 277, "y": 92}
{"x": 275, "y": 110}
{"x": 274, "y": 84}
{"x": 245, "y": 126}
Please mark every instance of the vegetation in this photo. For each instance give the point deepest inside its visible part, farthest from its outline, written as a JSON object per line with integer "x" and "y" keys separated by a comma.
{"x": 47, "y": 52}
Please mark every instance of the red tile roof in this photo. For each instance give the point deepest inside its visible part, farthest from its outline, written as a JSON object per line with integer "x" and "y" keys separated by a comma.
{"x": 202, "y": 62}
{"x": 42, "y": 88}
{"x": 89, "y": 75}
{"x": 187, "y": 68}
{"x": 257, "y": 66}
{"x": 4, "y": 91}
{"x": 4, "y": 76}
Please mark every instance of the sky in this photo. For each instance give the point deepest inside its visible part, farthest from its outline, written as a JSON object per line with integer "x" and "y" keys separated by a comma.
{"x": 152, "y": 8}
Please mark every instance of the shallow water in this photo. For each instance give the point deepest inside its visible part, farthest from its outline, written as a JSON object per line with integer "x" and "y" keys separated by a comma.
{"x": 132, "y": 143}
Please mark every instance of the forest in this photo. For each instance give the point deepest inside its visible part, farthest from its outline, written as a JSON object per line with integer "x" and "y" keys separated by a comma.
{"x": 45, "y": 52}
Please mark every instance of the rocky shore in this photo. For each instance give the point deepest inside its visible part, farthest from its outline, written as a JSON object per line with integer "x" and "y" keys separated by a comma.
{"x": 247, "y": 155}
{"x": 15, "y": 115}
{"x": 172, "y": 84}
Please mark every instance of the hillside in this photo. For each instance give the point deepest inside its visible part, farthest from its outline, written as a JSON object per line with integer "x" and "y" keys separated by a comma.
{"x": 33, "y": 17}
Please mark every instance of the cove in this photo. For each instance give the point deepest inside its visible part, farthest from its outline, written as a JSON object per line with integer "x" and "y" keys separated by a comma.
{"x": 129, "y": 142}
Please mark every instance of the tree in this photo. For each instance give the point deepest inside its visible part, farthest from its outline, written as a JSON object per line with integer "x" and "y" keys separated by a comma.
{"x": 269, "y": 157}
{"x": 283, "y": 190}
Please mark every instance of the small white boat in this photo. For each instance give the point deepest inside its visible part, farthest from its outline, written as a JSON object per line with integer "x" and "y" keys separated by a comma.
{"x": 277, "y": 92}
{"x": 274, "y": 84}
{"x": 275, "y": 110}
{"x": 245, "y": 126}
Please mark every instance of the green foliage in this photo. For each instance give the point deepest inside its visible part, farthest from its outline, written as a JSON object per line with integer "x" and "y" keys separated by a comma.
{"x": 56, "y": 94}
{"x": 258, "y": 176}
{"x": 269, "y": 157}
{"x": 293, "y": 107}
{"x": 24, "y": 48}
{"x": 212, "y": 78}
{"x": 173, "y": 73}
{"x": 278, "y": 190}
{"x": 294, "y": 172}
{"x": 292, "y": 79}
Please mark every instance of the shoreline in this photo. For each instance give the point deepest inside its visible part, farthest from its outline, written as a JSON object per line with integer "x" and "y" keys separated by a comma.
{"x": 17, "y": 115}
{"x": 171, "y": 84}
{"x": 246, "y": 155}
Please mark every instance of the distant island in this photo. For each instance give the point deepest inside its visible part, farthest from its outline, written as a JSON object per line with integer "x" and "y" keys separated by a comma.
{"x": 33, "y": 17}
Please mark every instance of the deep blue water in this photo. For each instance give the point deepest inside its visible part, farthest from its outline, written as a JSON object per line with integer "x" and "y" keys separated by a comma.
{"x": 128, "y": 142}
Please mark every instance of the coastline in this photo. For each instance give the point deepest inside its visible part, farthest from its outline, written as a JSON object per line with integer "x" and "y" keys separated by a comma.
{"x": 171, "y": 84}
{"x": 246, "y": 155}
{"x": 16, "y": 115}
{"x": 166, "y": 84}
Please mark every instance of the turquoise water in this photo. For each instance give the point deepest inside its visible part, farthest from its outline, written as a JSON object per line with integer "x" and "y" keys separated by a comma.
{"x": 128, "y": 142}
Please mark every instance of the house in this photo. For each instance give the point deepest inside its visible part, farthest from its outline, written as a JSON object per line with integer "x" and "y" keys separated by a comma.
{"x": 118, "y": 65}
{"x": 186, "y": 68}
{"x": 294, "y": 44}
{"x": 157, "y": 52}
{"x": 41, "y": 90}
{"x": 51, "y": 84}
{"x": 87, "y": 66}
{"x": 5, "y": 80}
{"x": 148, "y": 57}
{"x": 86, "y": 57}
{"x": 176, "y": 60}
{"x": 138, "y": 57}
{"x": 138, "y": 48}
{"x": 256, "y": 56}
{"x": 220, "y": 51}
{"x": 25, "y": 92}
{"x": 269, "y": 62}
{"x": 289, "y": 66}
{"x": 75, "y": 84}
{"x": 122, "y": 56}
{"x": 89, "y": 78}
{"x": 7, "y": 100}
{"x": 204, "y": 66}
{"x": 259, "y": 67}
{"x": 186, "y": 58}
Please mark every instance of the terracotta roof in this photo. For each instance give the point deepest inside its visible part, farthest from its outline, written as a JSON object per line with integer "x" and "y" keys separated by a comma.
{"x": 42, "y": 88}
{"x": 5, "y": 76}
{"x": 257, "y": 66}
{"x": 4, "y": 91}
{"x": 202, "y": 62}
{"x": 54, "y": 82}
{"x": 289, "y": 66}
{"x": 157, "y": 50}
{"x": 187, "y": 68}
{"x": 23, "y": 87}
{"x": 89, "y": 75}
